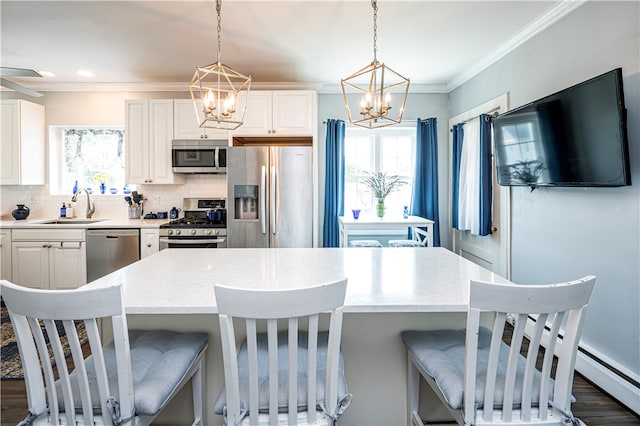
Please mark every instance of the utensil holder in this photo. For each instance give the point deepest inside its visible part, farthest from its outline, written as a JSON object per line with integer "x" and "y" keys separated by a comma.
{"x": 134, "y": 212}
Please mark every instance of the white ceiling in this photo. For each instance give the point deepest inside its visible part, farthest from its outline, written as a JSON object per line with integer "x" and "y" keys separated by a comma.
{"x": 156, "y": 45}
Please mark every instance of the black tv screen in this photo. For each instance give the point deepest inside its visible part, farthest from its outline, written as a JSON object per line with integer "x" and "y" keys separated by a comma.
{"x": 575, "y": 137}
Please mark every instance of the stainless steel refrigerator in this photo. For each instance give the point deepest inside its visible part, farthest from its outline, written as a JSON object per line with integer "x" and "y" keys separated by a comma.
{"x": 270, "y": 196}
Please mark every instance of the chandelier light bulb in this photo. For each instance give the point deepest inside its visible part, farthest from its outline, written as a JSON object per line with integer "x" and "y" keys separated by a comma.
{"x": 209, "y": 102}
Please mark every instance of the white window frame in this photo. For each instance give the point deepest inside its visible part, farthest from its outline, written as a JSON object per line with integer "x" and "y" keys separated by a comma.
{"x": 57, "y": 186}
{"x": 375, "y": 136}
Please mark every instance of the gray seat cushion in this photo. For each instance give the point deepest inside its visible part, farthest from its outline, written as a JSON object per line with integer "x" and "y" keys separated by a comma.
{"x": 365, "y": 243}
{"x": 283, "y": 374}
{"x": 159, "y": 360}
{"x": 441, "y": 354}
{"x": 405, "y": 243}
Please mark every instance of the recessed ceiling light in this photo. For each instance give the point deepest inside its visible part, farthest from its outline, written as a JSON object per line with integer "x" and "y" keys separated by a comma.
{"x": 85, "y": 73}
{"x": 47, "y": 74}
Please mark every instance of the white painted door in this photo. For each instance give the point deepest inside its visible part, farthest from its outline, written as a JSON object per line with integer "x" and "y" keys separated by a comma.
{"x": 30, "y": 264}
{"x": 160, "y": 136}
{"x": 257, "y": 116}
{"x": 149, "y": 242}
{"x": 186, "y": 126}
{"x": 67, "y": 265}
{"x": 292, "y": 112}
{"x": 137, "y": 146}
{"x": 492, "y": 251}
{"x": 5, "y": 254}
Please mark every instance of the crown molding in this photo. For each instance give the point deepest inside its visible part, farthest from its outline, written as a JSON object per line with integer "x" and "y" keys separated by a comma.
{"x": 157, "y": 87}
{"x": 550, "y": 17}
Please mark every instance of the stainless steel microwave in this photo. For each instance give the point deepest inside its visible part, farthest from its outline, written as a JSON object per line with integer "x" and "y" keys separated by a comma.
{"x": 199, "y": 156}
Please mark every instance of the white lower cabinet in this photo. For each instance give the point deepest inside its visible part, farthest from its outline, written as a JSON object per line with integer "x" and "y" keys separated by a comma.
{"x": 51, "y": 259}
{"x": 5, "y": 254}
{"x": 149, "y": 242}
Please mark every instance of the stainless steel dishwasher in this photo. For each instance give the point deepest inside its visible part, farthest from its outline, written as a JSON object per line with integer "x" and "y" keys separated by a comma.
{"x": 111, "y": 249}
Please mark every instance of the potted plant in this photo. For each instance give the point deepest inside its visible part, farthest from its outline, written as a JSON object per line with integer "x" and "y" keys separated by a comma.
{"x": 380, "y": 184}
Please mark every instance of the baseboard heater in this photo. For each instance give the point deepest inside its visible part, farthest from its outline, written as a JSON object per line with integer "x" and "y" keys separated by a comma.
{"x": 612, "y": 380}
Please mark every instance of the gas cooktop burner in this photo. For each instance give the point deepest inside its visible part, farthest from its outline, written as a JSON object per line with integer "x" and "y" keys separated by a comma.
{"x": 193, "y": 223}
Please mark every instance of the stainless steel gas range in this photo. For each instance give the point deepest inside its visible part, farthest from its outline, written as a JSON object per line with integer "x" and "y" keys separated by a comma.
{"x": 204, "y": 225}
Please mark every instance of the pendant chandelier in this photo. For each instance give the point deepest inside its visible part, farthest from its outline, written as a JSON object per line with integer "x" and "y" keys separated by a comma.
{"x": 375, "y": 96}
{"x": 215, "y": 90}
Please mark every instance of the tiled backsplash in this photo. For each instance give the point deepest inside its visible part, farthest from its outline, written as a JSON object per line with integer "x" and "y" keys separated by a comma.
{"x": 158, "y": 198}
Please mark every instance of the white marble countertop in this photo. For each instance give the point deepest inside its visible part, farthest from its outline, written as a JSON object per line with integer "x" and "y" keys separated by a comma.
{"x": 97, "y": 222}
{"x": 180, "y": 281}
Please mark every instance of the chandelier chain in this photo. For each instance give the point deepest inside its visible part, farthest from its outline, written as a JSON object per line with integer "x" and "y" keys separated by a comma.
{"x": 218, "y": 8}
{"x": 374, "y": 4}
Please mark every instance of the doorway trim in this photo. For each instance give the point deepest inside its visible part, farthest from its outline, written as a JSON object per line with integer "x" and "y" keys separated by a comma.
{"x": 498, "y": 104}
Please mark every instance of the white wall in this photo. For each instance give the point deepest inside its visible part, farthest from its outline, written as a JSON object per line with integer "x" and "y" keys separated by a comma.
{"x": 564, "y": 233}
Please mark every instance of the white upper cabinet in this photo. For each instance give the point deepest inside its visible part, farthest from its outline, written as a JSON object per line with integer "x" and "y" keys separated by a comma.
{"x": 278, "y": 113}
{"x": 148, "y": 133}
{"x": 185, "y": 124}
{"x": 22, "y": 153}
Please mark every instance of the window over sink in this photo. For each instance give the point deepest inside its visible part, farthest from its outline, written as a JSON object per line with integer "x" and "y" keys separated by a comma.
{"x": 80, "y": 153}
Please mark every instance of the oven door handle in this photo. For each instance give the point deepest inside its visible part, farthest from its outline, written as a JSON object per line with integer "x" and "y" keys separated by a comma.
{"x": 194, "y": 241}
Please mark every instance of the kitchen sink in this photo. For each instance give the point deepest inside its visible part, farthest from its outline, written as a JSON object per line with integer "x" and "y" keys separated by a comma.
{"x": 71, "y": 221}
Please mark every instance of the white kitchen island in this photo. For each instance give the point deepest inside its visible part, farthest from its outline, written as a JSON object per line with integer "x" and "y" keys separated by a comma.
{"x": 389, "y": 290}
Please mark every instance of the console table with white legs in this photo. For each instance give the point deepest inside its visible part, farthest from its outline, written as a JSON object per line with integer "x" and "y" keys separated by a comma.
{"x": 388, "y": 222}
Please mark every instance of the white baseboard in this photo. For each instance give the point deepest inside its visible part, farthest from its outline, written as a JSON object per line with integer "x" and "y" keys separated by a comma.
{"x": 607, "y": 379}
{"x": 599, "y": 373}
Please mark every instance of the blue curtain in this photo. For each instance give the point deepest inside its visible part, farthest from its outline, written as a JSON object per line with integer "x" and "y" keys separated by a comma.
{"x": 424, "y": 199}
{"x": 334, "y": 183}
{"x": 456, "y": 155}
{"x": 486, "y": 175}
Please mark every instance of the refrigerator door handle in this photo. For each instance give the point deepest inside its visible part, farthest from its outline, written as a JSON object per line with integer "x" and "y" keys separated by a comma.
{"x": 263, "y": 201}
{"x": 273, "y": 200}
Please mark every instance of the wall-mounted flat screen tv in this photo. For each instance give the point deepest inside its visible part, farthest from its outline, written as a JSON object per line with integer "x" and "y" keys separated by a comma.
{"x": 575, "y": 137}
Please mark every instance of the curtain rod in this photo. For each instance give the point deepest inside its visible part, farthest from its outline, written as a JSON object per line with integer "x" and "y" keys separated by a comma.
{"x": 490, "y": 114}
{"x": 401, "y": 122}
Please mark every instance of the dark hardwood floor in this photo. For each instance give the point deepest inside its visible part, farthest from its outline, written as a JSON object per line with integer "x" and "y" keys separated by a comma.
{"x": 592, "y": 406}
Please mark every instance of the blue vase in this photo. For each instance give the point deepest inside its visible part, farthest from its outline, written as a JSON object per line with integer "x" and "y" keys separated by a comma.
{"x": 22, "y": 212}
{"x": 103, "y": 188}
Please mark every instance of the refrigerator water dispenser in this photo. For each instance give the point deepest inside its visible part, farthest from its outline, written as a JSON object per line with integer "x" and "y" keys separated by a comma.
{"x": 246, "y": 201}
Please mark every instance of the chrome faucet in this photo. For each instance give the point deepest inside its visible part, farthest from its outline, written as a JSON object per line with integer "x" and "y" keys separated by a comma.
{"x": 91, "y": 208}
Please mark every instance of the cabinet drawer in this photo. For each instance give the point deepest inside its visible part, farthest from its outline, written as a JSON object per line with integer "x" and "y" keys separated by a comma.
{"x": 48, "y": 234}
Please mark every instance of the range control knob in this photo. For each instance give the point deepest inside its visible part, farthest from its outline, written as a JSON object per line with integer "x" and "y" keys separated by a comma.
{"x": 209, "y": 231}
{"x": 170, "y": 232}
{"x": 193, "y": 232}
{"x": 178, "y": 232}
